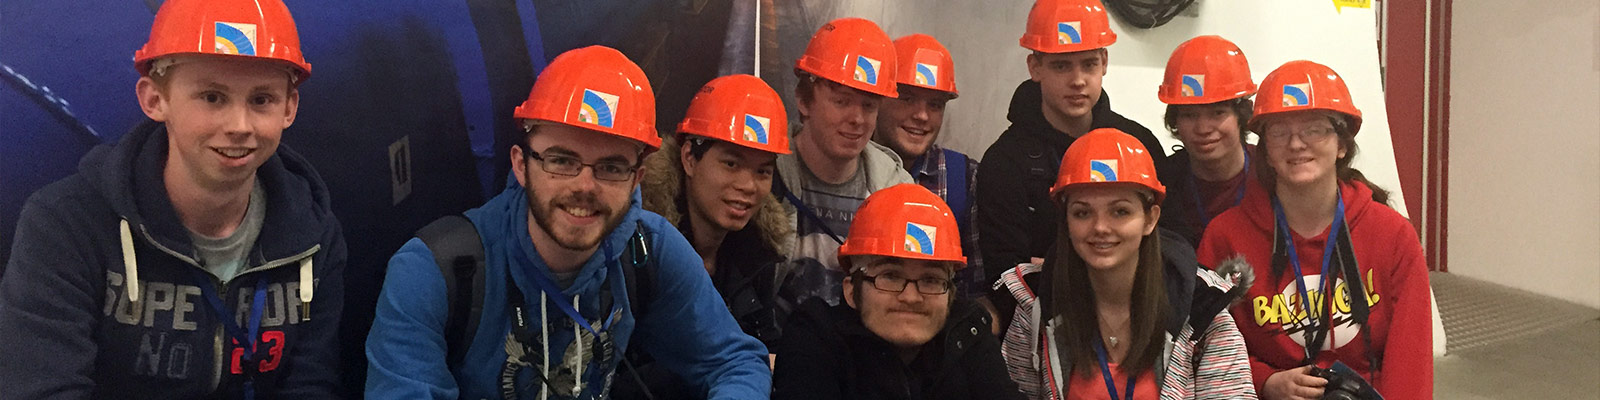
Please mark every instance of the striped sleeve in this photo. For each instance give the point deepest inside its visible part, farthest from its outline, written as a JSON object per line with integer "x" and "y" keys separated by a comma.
{"x": 1224, "y": 368}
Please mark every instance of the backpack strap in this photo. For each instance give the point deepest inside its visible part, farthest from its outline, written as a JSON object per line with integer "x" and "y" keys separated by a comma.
{"x": 458, "y": 251}
{"x": 639, "y": 270}
{"x": 955, "y": 187}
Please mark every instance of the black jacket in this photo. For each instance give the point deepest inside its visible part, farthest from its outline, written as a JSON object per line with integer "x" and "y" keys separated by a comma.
{"x": 72, "y": 331}
{"x": 1015, "y": 214}
{"x": 826, "y": 353}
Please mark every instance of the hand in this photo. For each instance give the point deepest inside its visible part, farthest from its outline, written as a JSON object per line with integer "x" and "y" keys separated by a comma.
{"x": 1036, "y": 261}
{"x": 1293, "y": 384}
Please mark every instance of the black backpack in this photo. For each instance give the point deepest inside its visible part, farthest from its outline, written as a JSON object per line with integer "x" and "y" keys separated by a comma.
{"x": 458, "y": 251}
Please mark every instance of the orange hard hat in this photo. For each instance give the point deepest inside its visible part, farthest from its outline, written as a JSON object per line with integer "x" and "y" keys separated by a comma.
{"x": 904, "y": 221}
{"x": 739, "y": 109}
{"x": 235, "y": 28}
{"x": 1206, "y": 70}
{"x": 853, "y": 52}
{"x": 1065, "y": 26}
{"x": 924, "y": 63}
{"x": 1303, "y": 85}
{"x": 1107, "y": 156}
{"x": 595, "y": 88}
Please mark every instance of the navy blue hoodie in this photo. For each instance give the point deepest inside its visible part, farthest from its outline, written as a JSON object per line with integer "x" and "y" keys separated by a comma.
{"x": 81, "y": 319}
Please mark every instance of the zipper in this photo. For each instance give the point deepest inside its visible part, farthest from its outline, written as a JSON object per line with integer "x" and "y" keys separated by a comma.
{"x": 219, "y": 345}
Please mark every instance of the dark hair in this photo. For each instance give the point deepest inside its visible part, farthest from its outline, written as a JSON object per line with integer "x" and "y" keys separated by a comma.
{"x": 1347, "y": 138}
{"x": 1242, "y": 108}
{"x": 1074, "y": 301}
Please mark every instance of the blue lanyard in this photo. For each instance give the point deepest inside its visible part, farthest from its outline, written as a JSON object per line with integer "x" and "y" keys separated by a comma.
{"x": 1200, "y": 204}
{"x": 1327, "y": 259}
{"x": 1105, "y": 373}
{"x": 555, "y": 296}
{"x": 245, "y": 339}
{"x": 805, "y": 210}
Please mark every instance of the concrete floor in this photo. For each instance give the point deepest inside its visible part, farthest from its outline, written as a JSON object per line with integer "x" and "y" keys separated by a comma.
{"x": 1561, "y": 363}
{"x": 1509, "y": 344}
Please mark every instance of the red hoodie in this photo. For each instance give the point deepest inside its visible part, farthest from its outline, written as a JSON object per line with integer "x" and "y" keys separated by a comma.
{"x": 1391, "y": 265}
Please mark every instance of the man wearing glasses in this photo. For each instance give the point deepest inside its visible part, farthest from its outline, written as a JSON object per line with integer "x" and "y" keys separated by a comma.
{"x": 900, "y": 332}
{"x": 573, "y": 272}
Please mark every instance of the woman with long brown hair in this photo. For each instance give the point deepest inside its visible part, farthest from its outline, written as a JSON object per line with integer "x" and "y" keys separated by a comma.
{"x": 1315, "y": 225}
{"x": 1120, "y": 309}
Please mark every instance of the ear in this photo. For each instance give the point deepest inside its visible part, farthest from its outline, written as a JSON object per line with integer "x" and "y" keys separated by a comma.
{"x": 686, "y": 158}
{"x": 1342, "y": 150}
{"x": 1035, "y": 67}
{"x": 519, "y": 165}
{"x": 151, "y": 99}
{"x": 850, "y": 292}
{"x": 1105, "y": 61}
{"x": 804, "y": 107}
{"x": 1154, "y": 215}
{"x": 291, "y": 107}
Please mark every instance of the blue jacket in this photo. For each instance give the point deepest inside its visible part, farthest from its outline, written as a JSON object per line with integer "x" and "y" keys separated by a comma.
{"x": 76, "y": 326}
{"x": 687, "y": 328}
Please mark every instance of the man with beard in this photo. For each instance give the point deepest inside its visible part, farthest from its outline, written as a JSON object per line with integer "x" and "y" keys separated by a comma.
{"x": 910, "y": 124}
{"x": 848, "y": 69}
{"x": 901, "y": 333}
{"x": 559, "y": 246}
{"x": 1061, "y": 100}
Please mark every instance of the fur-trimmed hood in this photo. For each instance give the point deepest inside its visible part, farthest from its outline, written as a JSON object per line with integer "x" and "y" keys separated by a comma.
{"x": 663, "y": 186}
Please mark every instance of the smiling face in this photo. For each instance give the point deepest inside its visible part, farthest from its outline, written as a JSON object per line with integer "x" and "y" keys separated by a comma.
{"x": 575, "y": 212}
{"x": 1303, "y": 148}
{"x": 1210, "y": 132}
{"x": 727, "y": 183}
{"x": 1069, "y": 82}
{"x": 224, "y": 116}
{"x": 908, "y": 125}
{"x": 839, "y": 120}
{"x": 908, "y": 318}
{"x": 1107, "y": 223}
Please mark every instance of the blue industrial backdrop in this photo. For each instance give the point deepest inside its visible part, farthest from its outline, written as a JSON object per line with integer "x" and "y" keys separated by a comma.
{"x": 407, "y": 114}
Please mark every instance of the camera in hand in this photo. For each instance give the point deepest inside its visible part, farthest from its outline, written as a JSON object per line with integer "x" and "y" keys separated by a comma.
{"x": 1345, "y": 384}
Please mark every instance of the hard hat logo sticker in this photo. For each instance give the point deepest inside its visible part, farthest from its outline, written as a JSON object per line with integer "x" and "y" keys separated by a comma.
{"x": 755, "y": 129}
{"x": 1067, "y": 32}
{"x": 927, "y": 75}
{"x": 919, "y": 238}
{"x": 1194, "y": 85}
{"x": 234, "y": 38}
{"x": 867, "y": 70}
{"x": 1296, "y": 95}
{"x": 1102, "y": 170}
{"x": 599, "y": 108}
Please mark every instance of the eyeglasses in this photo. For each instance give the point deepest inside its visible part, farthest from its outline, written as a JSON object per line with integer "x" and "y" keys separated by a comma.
{"x": 889, "y": 282}
{"x": 1313, "y": 135}
{"x": 571, "y": 166}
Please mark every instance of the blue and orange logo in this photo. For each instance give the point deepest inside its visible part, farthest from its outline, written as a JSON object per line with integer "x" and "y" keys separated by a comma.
{"x": 1102, "y": 170}
{"x": 919, "y": 238}
{"x": 235, "y": 38}
{"x": 1296, "y": 95}
{"x": 599, "y": 108}
{"x": 927, "y": 75}
{"x": 1067, "y": 32}
{"x": 1194, "y": 85}
{"x": 867, "y": 70}
{"x": 755, "y": 129}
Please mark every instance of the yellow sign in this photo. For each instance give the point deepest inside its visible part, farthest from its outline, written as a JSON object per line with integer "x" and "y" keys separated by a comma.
{"x": 1339, "y": 5}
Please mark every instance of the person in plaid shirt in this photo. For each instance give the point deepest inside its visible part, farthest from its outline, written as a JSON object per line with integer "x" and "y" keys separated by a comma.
{"x": 910, "y": 124}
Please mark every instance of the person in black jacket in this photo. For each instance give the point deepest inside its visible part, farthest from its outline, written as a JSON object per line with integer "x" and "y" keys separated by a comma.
{"x": 901, "y": 333}
{"x": 1207, "y": 90}
{"x": 1061, "y": 101}
{"x": 182, "y": 262}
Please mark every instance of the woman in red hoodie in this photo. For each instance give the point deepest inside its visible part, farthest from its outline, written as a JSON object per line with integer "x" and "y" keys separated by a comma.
{"x": 1313, "y": 217}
